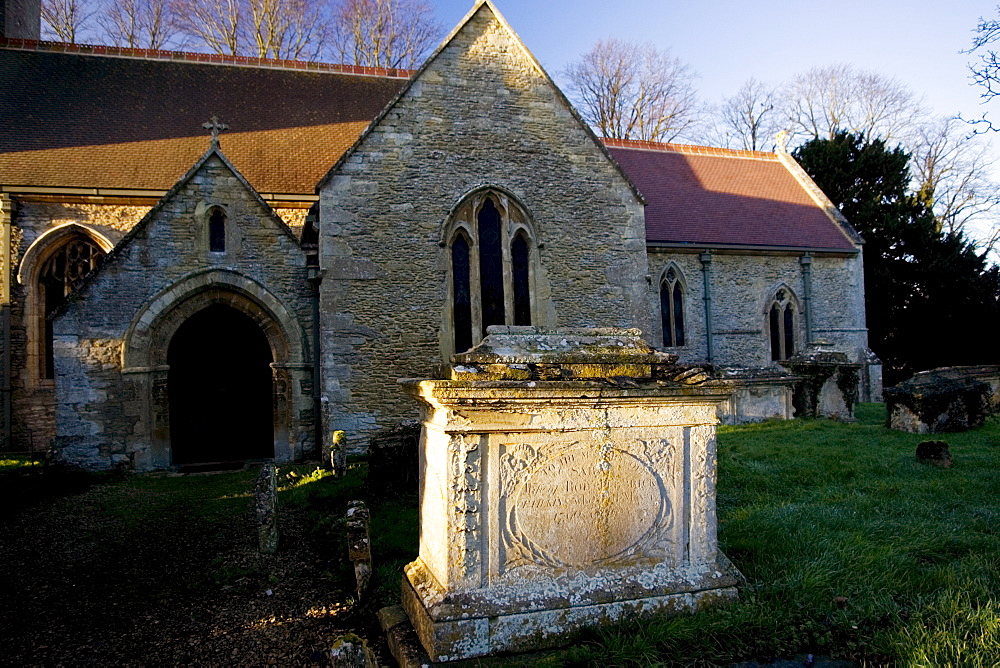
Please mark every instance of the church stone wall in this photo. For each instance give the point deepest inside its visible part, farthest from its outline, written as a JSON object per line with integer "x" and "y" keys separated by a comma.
{"x": 480, "y": 115}
{"x": 741, "y": 288}
{"x": 102, "y": 416}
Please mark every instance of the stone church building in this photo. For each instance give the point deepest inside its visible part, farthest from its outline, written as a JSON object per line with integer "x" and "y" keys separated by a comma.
{"x": 172, "y": 295}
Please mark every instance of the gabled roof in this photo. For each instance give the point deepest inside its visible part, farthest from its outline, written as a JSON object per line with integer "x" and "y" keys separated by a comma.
{"x": 96, "y": 121}
{"x": 719, "y": 197}
{"x": 116, "y": 253}
{"x": 477, "y": 7}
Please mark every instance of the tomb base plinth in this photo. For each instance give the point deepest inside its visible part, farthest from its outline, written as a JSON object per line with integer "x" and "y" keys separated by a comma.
{"x": 547, "y": 506}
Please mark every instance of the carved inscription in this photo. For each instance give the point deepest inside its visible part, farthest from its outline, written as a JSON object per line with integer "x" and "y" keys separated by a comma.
{"x": 583, "y": 507}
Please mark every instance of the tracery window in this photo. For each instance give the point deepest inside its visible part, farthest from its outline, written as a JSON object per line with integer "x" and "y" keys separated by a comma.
{"x": 492, "y": 252}
{"x": 59, "y": 276}
{"x": 781, "y": 325}
{"x": 672, "y": 308}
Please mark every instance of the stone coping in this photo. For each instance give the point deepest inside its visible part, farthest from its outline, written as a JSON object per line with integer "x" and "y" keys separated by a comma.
{"x": 607, "y": 350}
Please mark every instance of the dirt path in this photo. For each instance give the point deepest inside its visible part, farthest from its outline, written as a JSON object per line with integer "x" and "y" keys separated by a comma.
{"x": 143, "y": 572}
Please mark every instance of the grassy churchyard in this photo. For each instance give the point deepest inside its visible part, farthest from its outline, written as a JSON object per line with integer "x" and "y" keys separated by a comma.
{"x": 851, "y": 549}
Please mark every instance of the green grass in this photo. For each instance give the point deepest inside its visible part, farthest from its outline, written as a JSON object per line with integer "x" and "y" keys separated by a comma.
{"x": 850, "y": 547}
{"x": 17, "y": 462}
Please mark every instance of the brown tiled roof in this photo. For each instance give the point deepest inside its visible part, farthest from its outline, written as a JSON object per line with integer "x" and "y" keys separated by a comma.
{"x": 93, "y": 121}
{"x": 713, "y": 196}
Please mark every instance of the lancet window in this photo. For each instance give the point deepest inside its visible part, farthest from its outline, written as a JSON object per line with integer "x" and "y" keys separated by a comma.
{"x": 217, "y": 230}
{"x": 781, "y": 325}
{"x": 672, "y": 308}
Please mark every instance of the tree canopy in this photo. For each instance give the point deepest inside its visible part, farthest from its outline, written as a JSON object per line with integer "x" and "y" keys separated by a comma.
{"x": 931, "y": 299}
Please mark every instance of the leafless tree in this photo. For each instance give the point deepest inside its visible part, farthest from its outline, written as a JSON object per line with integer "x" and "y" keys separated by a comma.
{"x": 146, "y": 24}
{"x": 291, "y": 29}
{"x": 384, "y": 33}
{"x": 213, "y": 24}
{"x": 634, "y": 91}
{"x": 65, "y": 20}
{"x": 827, "y": 99}
{"x": 752, "y": 118}
{"x": 986, "y": 72}
{"x": 951, "y": 170}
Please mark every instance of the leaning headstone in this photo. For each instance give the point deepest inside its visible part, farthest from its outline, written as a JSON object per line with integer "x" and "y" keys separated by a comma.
{"x": 567, "y": 480}
{"x": 351, "y": 651}
{"x": 934, "y": 452}
{"x": 266, "y": 505}
{"x": 936, "y": 401}
{"x": 358, "y": 544}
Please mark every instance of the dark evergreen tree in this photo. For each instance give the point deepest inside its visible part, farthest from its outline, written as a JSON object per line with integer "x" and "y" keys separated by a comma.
{"x": 931, "y": 299}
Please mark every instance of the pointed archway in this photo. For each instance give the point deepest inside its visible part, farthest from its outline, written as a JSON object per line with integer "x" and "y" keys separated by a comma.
{"x": 220, "y": 388}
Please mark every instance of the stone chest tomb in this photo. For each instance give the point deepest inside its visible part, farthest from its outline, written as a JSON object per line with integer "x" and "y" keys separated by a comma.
{"x": 567, "y": 480}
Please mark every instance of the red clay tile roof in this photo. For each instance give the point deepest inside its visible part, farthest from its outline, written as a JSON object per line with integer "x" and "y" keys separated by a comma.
{"x": 94, "y": 121}
{"x": 702, "y": 195}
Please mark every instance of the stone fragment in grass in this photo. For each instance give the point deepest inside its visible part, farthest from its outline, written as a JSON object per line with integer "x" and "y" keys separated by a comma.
{"x": 351, "y": 651}
{"x": 936, "y": 401}
{"x": 266, "y": 505}
{"x": 359, "y": 544}
{"x": 934, "y": 452}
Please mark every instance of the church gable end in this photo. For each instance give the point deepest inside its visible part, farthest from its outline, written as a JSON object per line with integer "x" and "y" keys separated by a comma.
{"x": 480, "y": 120}
{"x": 209, "y": 268}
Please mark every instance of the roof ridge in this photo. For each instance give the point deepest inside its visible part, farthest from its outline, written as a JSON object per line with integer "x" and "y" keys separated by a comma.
{"x": 43, "y": 46}
{"x": 691, "y": 149}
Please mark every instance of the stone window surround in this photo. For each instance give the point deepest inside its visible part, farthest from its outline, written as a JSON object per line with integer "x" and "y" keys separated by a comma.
{"x": 514, "y": 220}
{"x": 29, "y": 273}
{"x": 679, "y": 279}
{"x": 203, "y": 214}
{"x": 790, "y": 301}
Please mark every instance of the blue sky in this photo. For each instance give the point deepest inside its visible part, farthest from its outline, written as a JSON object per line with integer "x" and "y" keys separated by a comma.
{"x": 728, "y": 41}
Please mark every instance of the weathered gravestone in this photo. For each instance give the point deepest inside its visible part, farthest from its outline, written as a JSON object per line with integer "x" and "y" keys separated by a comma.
{"x": 563, "y": 485}
{"x": 359, "y": 544}
{"x": 266, "y": 506}
{"x": 937, "y": 401}
{"x": 828, "y": 382}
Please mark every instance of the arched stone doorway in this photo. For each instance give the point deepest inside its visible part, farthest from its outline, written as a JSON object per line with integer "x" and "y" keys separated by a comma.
{"x": 220, "y": 388}
{"x": 238, "y": 307}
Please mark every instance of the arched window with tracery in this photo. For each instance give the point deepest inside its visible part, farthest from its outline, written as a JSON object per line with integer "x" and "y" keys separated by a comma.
{"x": 60, "y": 274}
{"x": 492, "y": 251}
{"x": 781, "y": 325}
{"x": 672, "y": 308}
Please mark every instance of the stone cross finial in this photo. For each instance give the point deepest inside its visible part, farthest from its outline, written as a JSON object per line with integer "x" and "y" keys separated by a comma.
{"x": 216, "y": 127}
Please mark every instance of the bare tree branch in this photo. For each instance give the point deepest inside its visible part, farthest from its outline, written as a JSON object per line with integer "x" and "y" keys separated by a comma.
{"x": 214, "y": 24}
{"x": 827, "y": 99}
{"x": 146, "y": 24}
{"x": 951, "y": 171}
{"x": 751, "y": 119}
{"x": 287, "y": 29}
{"x": 384, "y": 33}
{"x": 633, "y": 91}
{"x": 65, "y": 20}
